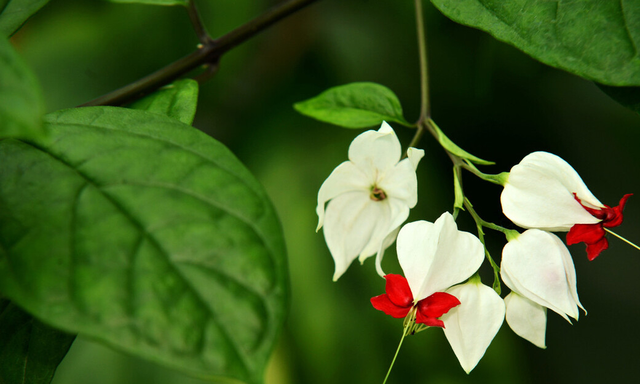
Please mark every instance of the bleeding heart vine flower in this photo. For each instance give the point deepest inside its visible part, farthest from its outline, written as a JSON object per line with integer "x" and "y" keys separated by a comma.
{"x": 434, "y": 258}
{"x": 471, "y": 326}
{"x": 399, "y": 301}
{"x": 543, "y": 191}
{"x": 537, "y": 267}
{"x": 369, "y": 197}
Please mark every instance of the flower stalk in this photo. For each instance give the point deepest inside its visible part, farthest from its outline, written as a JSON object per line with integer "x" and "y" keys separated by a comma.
{"x": 405, "y": 332}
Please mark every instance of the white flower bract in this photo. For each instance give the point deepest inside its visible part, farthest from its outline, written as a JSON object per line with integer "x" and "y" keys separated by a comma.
{"x": 471, "y": 326}
{"x": 367, "y": 198}
{"x": 436, "y": 256}
{"x": 539, "y": 193}
{"x": 527, "y": 319}
{"x": 537, "y": 265}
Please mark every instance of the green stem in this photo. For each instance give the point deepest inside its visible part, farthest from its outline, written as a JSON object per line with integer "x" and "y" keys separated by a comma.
{"x": 480, "y": 224}
{"x": 208, "y": 53}
{"x": 404, "y": 333}
{"x": 425, "y": 111}
{"x": 500, "y": 178}
{"x": 622, "y": 238}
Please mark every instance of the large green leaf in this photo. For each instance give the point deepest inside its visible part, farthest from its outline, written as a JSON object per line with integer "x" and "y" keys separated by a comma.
{"x": 21, "y": 103}
{"x": 355, "y": 105}
{"x": 144, "y": 233}
{"x": 178, "y": 100}
{"x": 13, "y": 13}
{"x": 595, "y": 39}
{"x": 154, "y": 2}
{"x": 29, "y": 350}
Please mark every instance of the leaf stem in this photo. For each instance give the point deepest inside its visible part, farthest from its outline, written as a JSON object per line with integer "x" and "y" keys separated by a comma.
{"x": 209, "y": 52}
{"x": 622, "y": 238}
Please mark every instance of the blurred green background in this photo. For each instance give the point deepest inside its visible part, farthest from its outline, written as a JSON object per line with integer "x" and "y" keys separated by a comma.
{"x": 488, "y": 97}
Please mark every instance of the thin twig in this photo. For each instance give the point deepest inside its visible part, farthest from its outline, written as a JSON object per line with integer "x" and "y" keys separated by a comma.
{"x": 208, "y": 53}
{"x": 198, "y": 25}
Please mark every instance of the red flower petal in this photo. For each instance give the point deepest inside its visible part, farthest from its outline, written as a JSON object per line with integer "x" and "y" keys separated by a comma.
{"x": 611, "y": 217}
{"x": 428, "y": 321}
{"x": 588, "y": 233}
{"x": 593, "y": 250}
{"x": 614, "y": 215}
{"x": 382, "y": 303}
{"x": 434, "y": 306}
{"x": 398, "y": 290}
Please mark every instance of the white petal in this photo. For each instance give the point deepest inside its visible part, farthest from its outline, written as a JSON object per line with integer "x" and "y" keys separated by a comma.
{"x": 539, "y": 194}
{"x": 392, "y": 213}
{"x": 353, "y": 222}
{"x": 376, "y": 151}
{"x": 536, "y": 265}
{"x": 527, "y": 319}
{"x": 345, "y": 178}
{"x": 400, "y": 182}
{"x": 399, "y": 211}
{"x": 471, "y": 326}
{"x": 391, "y": 237}
{"x": 415, "y": 155}
{"x": 436, "y": 256}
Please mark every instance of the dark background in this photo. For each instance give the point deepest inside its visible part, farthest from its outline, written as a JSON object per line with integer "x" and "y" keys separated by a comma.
{"x": 490, "y": 98}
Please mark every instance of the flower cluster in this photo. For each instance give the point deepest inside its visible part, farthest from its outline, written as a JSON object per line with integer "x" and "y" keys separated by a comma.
{"x": 365, "y": 201}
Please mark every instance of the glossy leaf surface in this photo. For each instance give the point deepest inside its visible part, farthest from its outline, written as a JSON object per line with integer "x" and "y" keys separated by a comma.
{"x": 594, "y": 39}
{"x": 178, "y": 100}
{"x": 355, "y": 105}
{"x": 146, "y": 234}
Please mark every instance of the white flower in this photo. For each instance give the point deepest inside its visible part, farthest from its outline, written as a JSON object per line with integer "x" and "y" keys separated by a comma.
{"x": 539, "y": 193}
{"x": 436, "y": 256}
{"x": 545, "y": 192}
{"x": 471, "y": 326}
{"x": 368, "y": 197}
{"x": 537, "y": 266}
{"x": 527, "y": 319}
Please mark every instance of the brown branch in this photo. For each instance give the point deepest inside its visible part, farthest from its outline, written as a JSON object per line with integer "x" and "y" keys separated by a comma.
{"x": 208, "y": 53}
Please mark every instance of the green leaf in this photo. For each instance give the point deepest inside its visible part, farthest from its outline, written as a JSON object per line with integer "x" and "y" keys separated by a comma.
{"x": 452, "y": 147}
{"x": 178, "y": 100}
{"x": 13, "y": 13}
{"x": 146, "y": 234}
{"x": 355, "y": 105}
{"x": 29, "y": 350}
{"x": 154, "y": 2}
{"x": 594, "y": 39}
{"x": 627, "y": 96}
{"x": 21, "y": 102}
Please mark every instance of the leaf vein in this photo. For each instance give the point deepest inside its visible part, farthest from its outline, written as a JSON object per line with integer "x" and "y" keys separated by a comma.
{"x": 163, "y": 252}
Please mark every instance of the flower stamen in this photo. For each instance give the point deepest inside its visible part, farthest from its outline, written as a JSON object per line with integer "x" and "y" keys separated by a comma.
{"x": 377, "y": 194}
